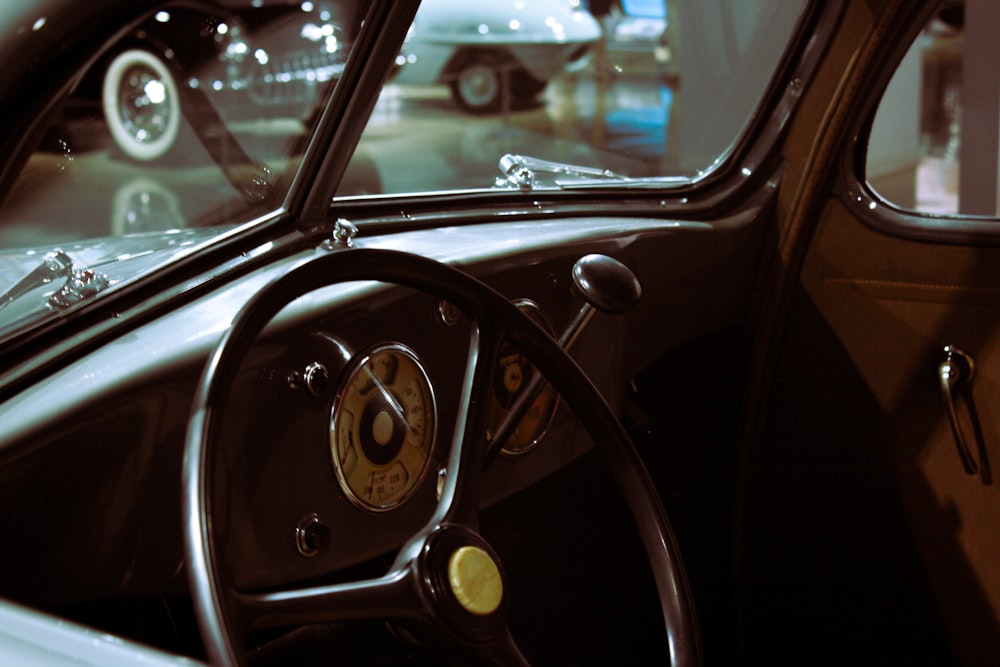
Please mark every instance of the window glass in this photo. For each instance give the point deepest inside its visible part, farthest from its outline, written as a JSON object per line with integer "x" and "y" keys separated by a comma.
{"x": 641, "y": 88}
{"x": 194, "y": 116}
{"x": 916, "y": 150}
{"x": 190, "y": 123}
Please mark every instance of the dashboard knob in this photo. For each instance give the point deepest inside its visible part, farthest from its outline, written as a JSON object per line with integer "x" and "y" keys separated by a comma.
{"x": 312, "y": 536}
{"x": 606, "y": 284}
{"x": 315, "y": 379}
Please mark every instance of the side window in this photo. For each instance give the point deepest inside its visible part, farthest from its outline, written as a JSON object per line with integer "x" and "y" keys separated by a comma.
{"x": 920, "y": 153}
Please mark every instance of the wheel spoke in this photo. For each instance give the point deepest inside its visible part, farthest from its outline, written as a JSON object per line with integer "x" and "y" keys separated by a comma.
{"x": 391, "y": 596}
{"x": 461, "y": 491}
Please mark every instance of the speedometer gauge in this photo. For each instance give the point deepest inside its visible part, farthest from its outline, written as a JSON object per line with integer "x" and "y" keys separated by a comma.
{"x": 382, "y": 430}
{"x": 512, "y": 378}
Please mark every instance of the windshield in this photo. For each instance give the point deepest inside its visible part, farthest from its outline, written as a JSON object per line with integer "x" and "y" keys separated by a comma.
{"x": 193, "y": 120}
{"x": 634, "y": 93}
{"x": 189, "y": 124}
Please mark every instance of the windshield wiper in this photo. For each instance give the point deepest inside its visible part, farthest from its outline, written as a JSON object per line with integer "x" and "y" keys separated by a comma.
{"x": 521, "y": 172}
{"x": 57, "y": 265}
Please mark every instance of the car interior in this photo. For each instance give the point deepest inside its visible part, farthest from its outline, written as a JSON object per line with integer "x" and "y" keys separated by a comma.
{"x": 696, "y": 378}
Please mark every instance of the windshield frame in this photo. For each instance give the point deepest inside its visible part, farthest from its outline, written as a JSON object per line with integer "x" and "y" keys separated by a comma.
{"x": 347, "y": 110}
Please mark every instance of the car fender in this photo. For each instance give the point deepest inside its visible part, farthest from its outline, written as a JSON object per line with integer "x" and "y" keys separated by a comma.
{"x": 541, "y": 36}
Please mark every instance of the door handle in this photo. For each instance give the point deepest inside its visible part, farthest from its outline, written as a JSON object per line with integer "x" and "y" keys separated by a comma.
{"x": 955, "y": 370}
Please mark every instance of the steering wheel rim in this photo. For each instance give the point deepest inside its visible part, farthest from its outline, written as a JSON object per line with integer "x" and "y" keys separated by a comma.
{"x": 413, "y": 588}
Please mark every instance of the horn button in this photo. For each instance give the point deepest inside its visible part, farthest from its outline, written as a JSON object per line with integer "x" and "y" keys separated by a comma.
{"x": 475, "y": 580}
{"x": 467, "y": 581}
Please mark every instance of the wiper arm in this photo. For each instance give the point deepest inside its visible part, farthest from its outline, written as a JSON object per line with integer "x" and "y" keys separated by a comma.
{"x": 519, "y": 171}
{"x": 57, "y": 265}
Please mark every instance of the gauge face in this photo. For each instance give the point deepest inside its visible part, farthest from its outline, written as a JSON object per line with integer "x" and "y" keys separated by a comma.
{"x": 382, "y": 431}
{"x": 511, "y": 378}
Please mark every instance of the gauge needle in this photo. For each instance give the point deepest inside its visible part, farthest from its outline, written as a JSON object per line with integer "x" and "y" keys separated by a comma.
{"x": 393, "y": 403}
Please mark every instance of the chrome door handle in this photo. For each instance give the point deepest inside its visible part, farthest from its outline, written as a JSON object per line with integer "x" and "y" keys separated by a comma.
{"x": 957, "y": 368}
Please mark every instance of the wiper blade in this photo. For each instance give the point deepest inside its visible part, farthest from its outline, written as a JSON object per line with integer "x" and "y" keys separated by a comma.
{"x": 57, "y": 265}
{"x": 521, "y": 172}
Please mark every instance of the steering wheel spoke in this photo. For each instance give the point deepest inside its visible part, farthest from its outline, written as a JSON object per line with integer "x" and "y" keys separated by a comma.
{"x": 390, "y": 597}
{"x": 466, "y": 461}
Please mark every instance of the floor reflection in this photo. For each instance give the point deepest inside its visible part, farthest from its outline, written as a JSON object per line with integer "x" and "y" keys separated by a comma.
{"x": 937, "y": 186}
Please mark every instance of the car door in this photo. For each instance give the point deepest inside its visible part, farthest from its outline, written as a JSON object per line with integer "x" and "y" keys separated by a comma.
{"x": 869, "y": 517}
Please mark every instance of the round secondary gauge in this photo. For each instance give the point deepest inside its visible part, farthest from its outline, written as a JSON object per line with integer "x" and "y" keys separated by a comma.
{"x": 382, "y": 430}
{"x": 511, "y": 379}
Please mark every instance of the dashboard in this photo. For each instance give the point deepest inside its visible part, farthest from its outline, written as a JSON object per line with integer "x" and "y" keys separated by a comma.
{"x": 92, "y": 456}
{"x": 336, "y": 432}
{"x": 302, "y": 498}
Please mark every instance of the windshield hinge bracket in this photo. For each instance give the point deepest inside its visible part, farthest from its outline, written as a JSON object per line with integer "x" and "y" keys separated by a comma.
{"x": 82, "y": 285}
{"x": 343, "y": 235}
{"x": 516, "y": 173}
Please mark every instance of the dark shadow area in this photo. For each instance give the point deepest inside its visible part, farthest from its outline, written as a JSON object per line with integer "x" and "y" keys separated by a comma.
{"x": 684, "y": 421}
{"x": 582, "y": 592}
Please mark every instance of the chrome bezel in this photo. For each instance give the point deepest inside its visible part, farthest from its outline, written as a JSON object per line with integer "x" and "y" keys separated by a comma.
{"x": 350, "y": 374}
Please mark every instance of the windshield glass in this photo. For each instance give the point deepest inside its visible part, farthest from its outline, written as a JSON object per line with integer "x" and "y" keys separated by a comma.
{"x": 190, "y": 123}
{"x": 614, "y": 91}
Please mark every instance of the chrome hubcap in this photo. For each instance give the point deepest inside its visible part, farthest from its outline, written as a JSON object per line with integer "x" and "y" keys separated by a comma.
{"x": 479, "y": 85}
{"x": 144, "y": 104}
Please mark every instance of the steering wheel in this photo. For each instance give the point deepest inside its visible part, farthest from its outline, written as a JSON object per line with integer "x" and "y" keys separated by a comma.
{"x": 447, "y": 583}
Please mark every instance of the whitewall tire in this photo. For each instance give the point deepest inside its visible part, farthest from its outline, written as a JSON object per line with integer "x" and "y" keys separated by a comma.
{"x": 141, "y": 105}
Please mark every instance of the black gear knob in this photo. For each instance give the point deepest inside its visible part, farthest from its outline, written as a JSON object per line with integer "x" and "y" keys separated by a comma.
{"x": 606, "y": 284}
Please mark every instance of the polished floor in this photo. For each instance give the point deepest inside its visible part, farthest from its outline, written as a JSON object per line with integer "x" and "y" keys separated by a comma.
{"x": 937, "y": 186}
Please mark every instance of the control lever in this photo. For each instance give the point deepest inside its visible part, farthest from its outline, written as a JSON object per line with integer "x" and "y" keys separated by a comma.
{"x": 606, "y": 285}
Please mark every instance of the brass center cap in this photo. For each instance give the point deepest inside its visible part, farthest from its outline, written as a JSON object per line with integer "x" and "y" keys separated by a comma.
{"x": 475, "y": 580}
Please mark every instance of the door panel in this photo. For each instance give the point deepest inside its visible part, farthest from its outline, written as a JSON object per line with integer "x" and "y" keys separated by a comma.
{"x": 864, "y": 537}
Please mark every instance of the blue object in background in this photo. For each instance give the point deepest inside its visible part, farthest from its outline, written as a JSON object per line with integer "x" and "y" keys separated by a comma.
{"x": 645, "y": 9}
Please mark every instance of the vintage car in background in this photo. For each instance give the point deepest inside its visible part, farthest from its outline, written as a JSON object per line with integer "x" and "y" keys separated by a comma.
{"x": 254, "y": 59}
{"x": 651, "y": 371}
{"x": 480, "y": 50}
